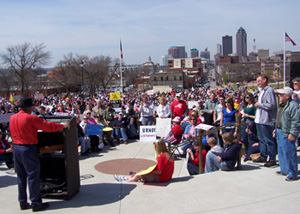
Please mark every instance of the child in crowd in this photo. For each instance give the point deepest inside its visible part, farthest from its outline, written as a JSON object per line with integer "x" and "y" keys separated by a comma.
{"x": 193, "y": 158}
{"x": 163, "y": 171}
{"x": 212, "y": 142}
{"x": 225, "y": 160}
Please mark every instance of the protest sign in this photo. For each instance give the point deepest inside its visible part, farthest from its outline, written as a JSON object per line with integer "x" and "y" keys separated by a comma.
{"x": 163, "y": 126}
{"x": 147, "y": 133}
{"x": 92, "y": 129}
{"x": 192, "y": 103}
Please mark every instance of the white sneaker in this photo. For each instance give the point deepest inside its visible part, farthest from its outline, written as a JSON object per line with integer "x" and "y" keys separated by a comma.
{"x": 180, "y": 151}
{"x": 121, "y": 178}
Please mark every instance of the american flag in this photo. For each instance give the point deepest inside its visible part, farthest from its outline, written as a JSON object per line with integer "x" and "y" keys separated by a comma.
{"x": 121, "y": 49}
{"x": 288, "y": 39}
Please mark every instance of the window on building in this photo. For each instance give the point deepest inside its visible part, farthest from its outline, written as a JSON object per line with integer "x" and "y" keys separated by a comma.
{"x": 167, "y": 78}
{"x": 174, "y": 77}
{"x": 155, "y": 78}
{"x": 180, "y": 77}
{"x": 162, "y": 78}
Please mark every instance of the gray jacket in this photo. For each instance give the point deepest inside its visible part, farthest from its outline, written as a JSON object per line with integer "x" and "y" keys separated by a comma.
{"x": 267, "y": 109}
{"x": 290, "y": 119}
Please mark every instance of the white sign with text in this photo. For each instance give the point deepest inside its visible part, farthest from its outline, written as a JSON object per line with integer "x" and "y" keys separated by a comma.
{"x": 147, "y": 133}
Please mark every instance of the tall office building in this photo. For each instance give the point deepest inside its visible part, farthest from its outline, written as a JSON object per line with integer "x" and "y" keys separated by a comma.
{"x": 177, "y": 52}
{"x": 219, "y": 49}
{"x": 241, "y": 43}
{"x": 194, "y": 53}
{"x": 227, "y": 45}
{"x": 205, "y": 54}
{"x": 164, "y": 60}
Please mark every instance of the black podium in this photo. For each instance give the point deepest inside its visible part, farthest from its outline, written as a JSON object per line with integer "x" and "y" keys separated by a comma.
{"x": 59, "y": 176}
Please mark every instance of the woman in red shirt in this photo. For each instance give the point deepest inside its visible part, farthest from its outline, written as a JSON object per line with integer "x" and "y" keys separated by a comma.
{"x": 162, "y": 172}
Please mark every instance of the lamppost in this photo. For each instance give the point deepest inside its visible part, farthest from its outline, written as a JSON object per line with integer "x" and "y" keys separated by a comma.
{"x": 82, "y": 80}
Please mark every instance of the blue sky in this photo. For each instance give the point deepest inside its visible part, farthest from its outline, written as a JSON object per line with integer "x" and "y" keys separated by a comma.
{"x": 147, "y": 28}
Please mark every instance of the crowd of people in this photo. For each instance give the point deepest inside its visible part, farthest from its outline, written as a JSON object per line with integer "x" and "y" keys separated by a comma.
{"x": 270, "y": 128}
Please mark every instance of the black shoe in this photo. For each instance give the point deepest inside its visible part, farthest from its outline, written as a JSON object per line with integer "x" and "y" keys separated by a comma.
{"x": 280, "y": 173}
{"x": 39, "y": 207}
{"x": 291, "y": 179}
{"x": 259, "y": 160}
{"x": 25, "y": 206}
{"x": 270, "y": 163}
{"x": 84, "y": 154}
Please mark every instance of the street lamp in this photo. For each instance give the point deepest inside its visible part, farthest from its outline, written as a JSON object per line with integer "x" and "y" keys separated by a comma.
{"x": 82, "y": 80}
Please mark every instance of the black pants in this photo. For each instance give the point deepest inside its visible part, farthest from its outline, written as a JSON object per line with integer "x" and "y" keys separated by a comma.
{"x": 94, "y": 142}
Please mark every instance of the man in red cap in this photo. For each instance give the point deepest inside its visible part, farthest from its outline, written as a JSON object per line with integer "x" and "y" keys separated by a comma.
{"x": 23, "y": 127}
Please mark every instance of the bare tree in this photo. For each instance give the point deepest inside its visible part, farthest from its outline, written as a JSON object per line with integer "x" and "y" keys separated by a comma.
{"x": 68, "y": 72}
{"x": 7, "y": 81}
{"x": 21, "y": 58}
{"x": 100, "y": 71}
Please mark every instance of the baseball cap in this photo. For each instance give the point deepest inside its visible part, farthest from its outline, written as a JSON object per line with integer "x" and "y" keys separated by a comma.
{"x": 285, "y": 90}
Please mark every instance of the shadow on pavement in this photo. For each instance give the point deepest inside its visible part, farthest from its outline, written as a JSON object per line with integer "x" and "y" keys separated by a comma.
{"x": 95, "y": 195}
{"x": 6, "y": 181}
{"x": 249, "y": 167}
{"x": 173, "y": 180}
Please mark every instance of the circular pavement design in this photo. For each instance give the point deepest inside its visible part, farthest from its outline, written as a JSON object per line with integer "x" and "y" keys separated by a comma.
{"x": 124, "y": 166}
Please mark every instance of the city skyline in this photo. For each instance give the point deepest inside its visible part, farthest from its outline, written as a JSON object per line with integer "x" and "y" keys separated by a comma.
{"x": 146, "y": 28}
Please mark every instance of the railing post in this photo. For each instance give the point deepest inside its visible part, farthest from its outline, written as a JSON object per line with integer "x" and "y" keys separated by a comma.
{"x": 238, "y": 137}
{"x": 200, "y": 151}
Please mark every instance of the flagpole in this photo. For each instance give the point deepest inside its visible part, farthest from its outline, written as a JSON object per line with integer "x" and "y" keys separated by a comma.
{"x": 121, "y": 73}
{"x": 284, "y": 59}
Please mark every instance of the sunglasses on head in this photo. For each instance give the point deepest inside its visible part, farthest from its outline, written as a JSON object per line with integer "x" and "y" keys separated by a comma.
{"x": 247, "y": 97}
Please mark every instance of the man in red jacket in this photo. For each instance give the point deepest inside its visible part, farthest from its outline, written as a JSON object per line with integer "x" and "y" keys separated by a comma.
{"x": 23, "y": 127}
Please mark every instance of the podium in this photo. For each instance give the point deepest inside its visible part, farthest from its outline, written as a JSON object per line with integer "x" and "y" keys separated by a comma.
{"x": 58, "y": 155}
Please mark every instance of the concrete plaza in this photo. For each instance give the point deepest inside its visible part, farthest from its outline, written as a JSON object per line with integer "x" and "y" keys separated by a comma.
{"x": 253, "y": 189}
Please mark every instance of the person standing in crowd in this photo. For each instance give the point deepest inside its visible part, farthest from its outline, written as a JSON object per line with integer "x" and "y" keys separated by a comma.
{"x": 296, "y": 85}
{"x": 209, "y": 108}
{"x": 178, "y": 107}
{"x": 82, "y": 138}
{"x": 109, "y": 115}
{"x": 217, "y": 116}
{"x": 163, "y": 110}
{"x": 98, "y": 108}
{"x": 23, "y": 127}
{"x": 228, "y": 115}
{"x": 248, "y": 115}
{"x": 146, "y": 111}
{"x": 265, "y": 117}
{"x": 287, "y": 130}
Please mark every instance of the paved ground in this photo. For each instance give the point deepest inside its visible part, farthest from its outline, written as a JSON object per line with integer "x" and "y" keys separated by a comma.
{"x": 254, "y": 189}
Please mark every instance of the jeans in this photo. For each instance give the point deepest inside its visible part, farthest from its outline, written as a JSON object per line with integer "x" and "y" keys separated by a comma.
{"x": 245, "y": 138}
{"x": 147, "y": 121}
{"x": 120, "y": 132}
{"x": 266, "y": 141}
{"x": 287, "y": 155}
{"x": 84, "y": 145}
{"x": 193, "y": 169}
{"x": 212, "y": 164}
{"x": 28, "y": 170}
